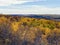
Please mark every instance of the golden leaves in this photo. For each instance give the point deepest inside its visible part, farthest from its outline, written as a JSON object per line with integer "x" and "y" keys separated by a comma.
{"x": 15, "y": 26}
{"x": 3, "y": 19}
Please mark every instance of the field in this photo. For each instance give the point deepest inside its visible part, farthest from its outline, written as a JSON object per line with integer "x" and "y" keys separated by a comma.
{"x": 25, "y": 30}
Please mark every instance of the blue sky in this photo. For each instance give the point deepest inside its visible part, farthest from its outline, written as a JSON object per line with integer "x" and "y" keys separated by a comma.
{"x": 48, "y": 3}
{"x": 30, "y": 6}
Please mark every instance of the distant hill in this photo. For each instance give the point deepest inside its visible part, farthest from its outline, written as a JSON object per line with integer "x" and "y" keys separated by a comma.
{"x": 46, "y": 16}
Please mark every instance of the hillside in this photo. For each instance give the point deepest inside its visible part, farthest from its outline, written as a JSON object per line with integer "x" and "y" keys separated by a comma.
{"x": 22, "y": 30}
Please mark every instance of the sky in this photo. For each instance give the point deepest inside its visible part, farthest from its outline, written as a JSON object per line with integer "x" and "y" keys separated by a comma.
{"x": 29, "y": 6}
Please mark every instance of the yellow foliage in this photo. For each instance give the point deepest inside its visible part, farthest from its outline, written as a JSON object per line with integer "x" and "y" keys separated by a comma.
{"x": 15, "y": 26}
{"x": 47, "y": 31}
{"x": 3, "y": 19}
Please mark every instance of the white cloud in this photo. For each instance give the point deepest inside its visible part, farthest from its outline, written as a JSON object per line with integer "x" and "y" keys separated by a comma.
{"x": 32, "y": 10}
{"x": 9, "y": 2}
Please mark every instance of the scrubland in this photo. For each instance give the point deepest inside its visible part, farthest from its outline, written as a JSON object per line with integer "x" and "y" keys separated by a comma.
{"x": 15, "y": 30}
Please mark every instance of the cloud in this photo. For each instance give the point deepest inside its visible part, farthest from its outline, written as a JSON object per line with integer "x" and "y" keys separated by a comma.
{"x": 34, "y": 9}
{"x": 10, "y": 2}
